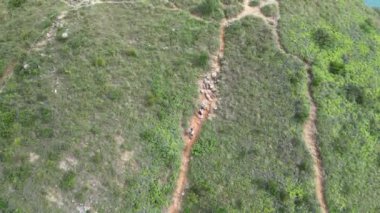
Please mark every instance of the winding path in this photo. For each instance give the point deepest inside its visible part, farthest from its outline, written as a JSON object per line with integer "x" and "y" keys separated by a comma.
{"x": 309, "y": 135}
{"x": 208, "y": 101}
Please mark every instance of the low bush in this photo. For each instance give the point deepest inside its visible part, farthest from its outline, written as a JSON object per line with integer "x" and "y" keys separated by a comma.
{"x": 131, "y": 52}
{"x": 301, "y": 111}
{"x": 15, "y": 3}
{"x": 367, "y": 26}
{"x": 17, "y": 175}
{"x": 336, "y": 68}
{"x": 323, "y": 38}
{"x": 99, "y": 62}
{"x": 201, "y": 60}
{"x": 3, "y": 205}
{"x": 204, "y": 146}
{"x": 68, "y": 181}
{"x": 254, "y": 3}
{"x": 45, "y": 114}
{"x": 269, "y": 10}
{"x": 232, "y": 10}
{"x": 208, "y": 7}
{"x": 354, "y": 93}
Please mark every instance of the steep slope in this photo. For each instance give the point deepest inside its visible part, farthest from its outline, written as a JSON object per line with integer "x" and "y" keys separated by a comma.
{"x": 92, "y": 120}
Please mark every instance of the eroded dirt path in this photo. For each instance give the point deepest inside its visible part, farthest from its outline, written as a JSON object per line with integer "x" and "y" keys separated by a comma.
{"x": 309, "y": 128}
{"x": 208, "y": 101}
{"x": 309, "y": 135}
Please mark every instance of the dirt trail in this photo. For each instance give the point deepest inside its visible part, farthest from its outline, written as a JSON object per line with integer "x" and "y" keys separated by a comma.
{"x": 208, "y": 104}
{"x": 309, "y": 135}
{"x": 309, "y": 128}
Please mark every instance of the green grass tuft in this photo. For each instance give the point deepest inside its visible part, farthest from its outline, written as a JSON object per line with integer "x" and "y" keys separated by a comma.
{"x": 68, "y": 181}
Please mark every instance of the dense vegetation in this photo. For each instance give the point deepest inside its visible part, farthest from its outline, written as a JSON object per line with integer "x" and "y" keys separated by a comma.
{"x": 251, "y": 157}
{"x": 341, "y": 40}
{"x": 95, "y": 118}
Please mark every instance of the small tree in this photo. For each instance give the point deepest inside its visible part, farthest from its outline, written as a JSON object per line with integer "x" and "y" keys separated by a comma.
{"x": 323, "y": 38}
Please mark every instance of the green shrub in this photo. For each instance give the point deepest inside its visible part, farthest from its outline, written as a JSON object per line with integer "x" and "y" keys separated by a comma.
{"x": 161, "y": 143}
{"x": 336, "y": 68}
{"x": 17, "y": 175}
{"x": 45, "y": 114}
{"x": 323, "y": 38}
{"x": 201, "y": 60}
{"x": 301, "y": 111}
{"x": 208, "y": 7}
{"x": 156, "y": 194}
{"x": 15, "y": 3}
{"x": 254, "y": 3}
{"x": 368, "y": 25}
{"x": 97, "y": 158}
{"x": 232, "y": 10}
{"x": 151, "y": 99}
{"x": 269, "y": 10}
{"x": 3, "y": 205}
{"x": 354, "y": 93}
{"x": 204, "y": 146}
{"x": 7, "y": 119}
{"x": 68, "y": 181}
{"x": 295, "y": 77}
{"x": 26, "y": 118}
{"x": 99, "y": 62}
{"x": 131, "y": 52}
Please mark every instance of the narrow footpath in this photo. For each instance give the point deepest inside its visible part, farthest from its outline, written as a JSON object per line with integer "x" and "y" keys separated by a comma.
{"x": 208, "y": 103}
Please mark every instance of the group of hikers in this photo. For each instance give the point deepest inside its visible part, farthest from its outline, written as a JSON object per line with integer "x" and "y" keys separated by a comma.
{"x": 200, "y": 113}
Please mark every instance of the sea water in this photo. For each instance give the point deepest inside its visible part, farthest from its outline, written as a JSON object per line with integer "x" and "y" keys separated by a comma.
{"x": 373, "y": 3}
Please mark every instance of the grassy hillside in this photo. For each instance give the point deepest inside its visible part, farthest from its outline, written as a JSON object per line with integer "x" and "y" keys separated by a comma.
{"x": 95, "y": 120}
{"x": 18, "y": 33}
{"x": 251, "y": 157}
{"x": 341, "y": 40}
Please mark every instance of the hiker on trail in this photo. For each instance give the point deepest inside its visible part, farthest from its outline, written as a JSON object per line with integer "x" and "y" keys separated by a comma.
{"x": 190, "y": 132}
{"x": 203, "y": 106}
{"x": 200, "y": 113}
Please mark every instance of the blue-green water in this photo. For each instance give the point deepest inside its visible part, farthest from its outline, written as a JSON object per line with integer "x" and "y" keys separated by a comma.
{"x": 373, "y": 3}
